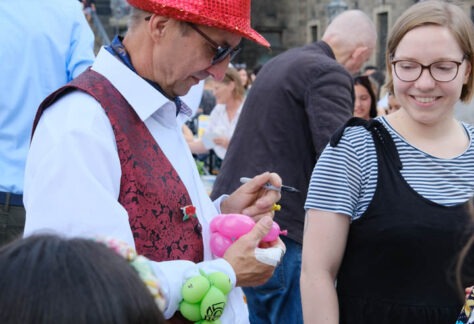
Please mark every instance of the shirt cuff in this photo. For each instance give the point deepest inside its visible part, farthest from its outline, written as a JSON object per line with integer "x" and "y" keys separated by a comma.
{"x": 218, "y": 202}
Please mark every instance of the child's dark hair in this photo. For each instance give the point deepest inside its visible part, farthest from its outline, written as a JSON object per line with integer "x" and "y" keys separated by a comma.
{"x": 49, "y": 279}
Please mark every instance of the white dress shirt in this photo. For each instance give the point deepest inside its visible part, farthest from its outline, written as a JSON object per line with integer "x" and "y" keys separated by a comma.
{"x": 73, "y": 172}
{"x": 220, "y": 125}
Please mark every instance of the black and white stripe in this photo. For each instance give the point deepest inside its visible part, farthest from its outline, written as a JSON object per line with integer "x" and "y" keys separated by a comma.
{"x": 345, "y": 176}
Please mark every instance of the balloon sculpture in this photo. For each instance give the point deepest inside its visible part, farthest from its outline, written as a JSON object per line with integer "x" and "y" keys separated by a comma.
{"x": 205, "y": 297}
{"x": 226, "y": 228}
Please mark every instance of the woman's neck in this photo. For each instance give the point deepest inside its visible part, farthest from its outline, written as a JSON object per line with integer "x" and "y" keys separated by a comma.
{"x": 445, "y": 139}
{"x": 231, "y": 107}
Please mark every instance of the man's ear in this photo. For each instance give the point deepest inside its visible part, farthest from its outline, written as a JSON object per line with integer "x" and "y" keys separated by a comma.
{"x": 359, "y": 52}
{"x": 157, "y": 26}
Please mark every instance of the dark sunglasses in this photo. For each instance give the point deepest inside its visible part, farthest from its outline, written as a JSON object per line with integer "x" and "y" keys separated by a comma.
{"x": 221, "y": 51}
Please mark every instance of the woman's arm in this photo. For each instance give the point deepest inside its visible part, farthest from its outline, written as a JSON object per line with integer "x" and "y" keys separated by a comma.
{"x": 324, "y": 242}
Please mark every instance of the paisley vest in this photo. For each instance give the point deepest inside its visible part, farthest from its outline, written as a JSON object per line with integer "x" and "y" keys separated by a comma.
{"x": 150, "y": 189}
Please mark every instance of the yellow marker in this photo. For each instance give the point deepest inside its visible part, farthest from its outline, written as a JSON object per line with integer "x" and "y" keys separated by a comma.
{"x": 276, "y": 207}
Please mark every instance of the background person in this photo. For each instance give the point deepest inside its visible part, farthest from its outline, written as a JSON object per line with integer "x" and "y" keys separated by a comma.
{"x": 244, "y": 76}
{"x": 297, "y": 101}
{"x": 365, "y": 104}
{"x": 40, "y": 52}
{"x": 88, "y": 7}
{"x": 119, "y": 166}
{"x": 388, "y": 219}
{"x": 393, "y": 104}
{"x": 49, "y": 279}
{"x": 464, "y": 263}
{"x": 230, "y": 95}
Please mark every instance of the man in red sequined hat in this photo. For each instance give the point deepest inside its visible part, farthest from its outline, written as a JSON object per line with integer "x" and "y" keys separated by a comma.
{"x": 108, "y": 156}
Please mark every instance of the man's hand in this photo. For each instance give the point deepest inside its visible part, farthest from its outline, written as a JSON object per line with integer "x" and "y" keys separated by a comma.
{"x": 241, "y": 256}
{"x": 252, "y": 199}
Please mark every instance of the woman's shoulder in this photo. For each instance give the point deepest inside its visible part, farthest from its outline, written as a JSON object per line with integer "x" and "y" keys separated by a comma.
{"x": 356, "y": 134}
{"x": 355, "y": 147}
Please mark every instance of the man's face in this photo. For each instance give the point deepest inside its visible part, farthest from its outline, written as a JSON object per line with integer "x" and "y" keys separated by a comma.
{"x": 184, "y": 56}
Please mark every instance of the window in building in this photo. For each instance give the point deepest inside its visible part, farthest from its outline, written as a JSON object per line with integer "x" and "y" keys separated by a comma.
{"x": 382, "y": 25}
{"x": 314, "y": 33}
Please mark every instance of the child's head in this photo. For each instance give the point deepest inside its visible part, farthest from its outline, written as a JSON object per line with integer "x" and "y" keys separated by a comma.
{"x": 48, "y": 279}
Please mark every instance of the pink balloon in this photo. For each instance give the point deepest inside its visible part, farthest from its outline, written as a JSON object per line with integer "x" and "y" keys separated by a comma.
{"x": 219, "y": 244}
{"x": 216, "y": 223}
{"x": 235, "y": 225}
{"x": 226, "y": 228}
{"x": 274, "y": 233}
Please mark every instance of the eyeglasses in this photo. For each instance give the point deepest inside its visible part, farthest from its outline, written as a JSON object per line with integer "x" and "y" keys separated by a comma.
{"x": 441, "y": 71}
{"x": 221, "y": 51}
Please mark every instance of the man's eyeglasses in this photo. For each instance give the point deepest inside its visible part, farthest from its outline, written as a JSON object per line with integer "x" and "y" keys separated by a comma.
{"x": 441, "y": 71}
{"x": 221, "y": 51}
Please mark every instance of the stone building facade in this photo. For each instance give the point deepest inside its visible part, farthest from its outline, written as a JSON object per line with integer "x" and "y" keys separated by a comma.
{"x": 291, "y": 23}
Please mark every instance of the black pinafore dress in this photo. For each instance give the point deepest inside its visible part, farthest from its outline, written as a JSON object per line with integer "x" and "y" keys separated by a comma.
{"x": 399, "y": 261}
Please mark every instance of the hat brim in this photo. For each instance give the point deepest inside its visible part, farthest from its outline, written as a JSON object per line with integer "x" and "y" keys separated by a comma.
{"x": 197, "y": 18}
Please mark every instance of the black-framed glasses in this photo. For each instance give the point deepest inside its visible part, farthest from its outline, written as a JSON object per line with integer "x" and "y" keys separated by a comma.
{"x": 441, "y": 71}
{"x": 221, "y": 51}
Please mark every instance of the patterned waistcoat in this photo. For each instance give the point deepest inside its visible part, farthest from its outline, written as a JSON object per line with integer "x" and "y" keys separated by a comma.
{"x": 150, "y": 189}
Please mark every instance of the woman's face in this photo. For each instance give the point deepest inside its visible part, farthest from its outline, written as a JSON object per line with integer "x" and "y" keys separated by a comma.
{"x": 223, "y": 91}
{"x": 362, "y": 102}
{"x": 243, "y": 76}
{"x": 426, "y": 100}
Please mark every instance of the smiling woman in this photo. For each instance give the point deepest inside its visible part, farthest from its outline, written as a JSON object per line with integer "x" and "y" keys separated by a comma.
{"x": 365, "y": 103}
{"x": 392, "y": 211}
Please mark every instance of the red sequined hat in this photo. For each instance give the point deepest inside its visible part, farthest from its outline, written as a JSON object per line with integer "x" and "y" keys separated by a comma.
{"x": 230, "y": 15}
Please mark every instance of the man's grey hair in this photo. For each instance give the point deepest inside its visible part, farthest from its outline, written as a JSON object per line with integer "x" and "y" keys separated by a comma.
{"x": 136, "y": 16}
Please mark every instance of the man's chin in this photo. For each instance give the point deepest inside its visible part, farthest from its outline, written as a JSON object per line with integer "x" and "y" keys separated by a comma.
{"x": 182, "y": 91}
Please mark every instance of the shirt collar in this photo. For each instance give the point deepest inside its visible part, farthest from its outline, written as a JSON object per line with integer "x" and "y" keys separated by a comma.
{"x": 143, "y": 97}
{"x": 119, "y": 51}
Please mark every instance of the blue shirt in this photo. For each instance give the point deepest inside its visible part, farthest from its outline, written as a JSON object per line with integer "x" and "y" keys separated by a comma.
{"x": 45, "y": 44}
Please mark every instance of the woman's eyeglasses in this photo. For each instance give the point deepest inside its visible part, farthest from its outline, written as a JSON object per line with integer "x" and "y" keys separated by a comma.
{"x": 441, "y": 71}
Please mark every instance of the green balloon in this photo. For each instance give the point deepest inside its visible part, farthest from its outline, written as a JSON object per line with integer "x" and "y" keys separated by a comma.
{"x": 213, "y": 304}
{"x": 195, "y": 289}
{"x": 221, "y": 281}
{"x": 218, "y": 321}
{"x": 190, "y": 311}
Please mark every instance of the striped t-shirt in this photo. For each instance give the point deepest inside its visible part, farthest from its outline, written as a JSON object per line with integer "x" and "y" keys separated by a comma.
{"x": 345, "y": 176}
